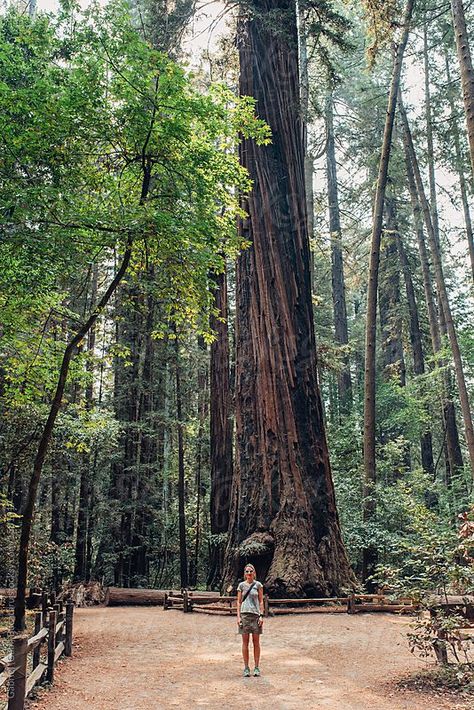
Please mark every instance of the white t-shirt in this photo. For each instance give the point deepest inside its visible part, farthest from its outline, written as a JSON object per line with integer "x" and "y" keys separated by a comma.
{"x": 251, "y": 604}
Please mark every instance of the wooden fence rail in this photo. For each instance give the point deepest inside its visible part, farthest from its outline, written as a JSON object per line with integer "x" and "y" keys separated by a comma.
{"x": 188, "y": 601}
{"x": 53, "y": 626}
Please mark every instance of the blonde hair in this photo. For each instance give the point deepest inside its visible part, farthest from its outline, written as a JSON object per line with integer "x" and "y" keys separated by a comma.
{"x": 253, "y": 569}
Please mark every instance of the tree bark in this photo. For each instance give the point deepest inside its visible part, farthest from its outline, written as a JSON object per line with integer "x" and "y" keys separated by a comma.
{"x": 283, "y": 514}
{"x": 304, "y": 100}
{"x": 429, "y": 138}
{"x": 467, "y": 71}
{"x": 82, "y": 542}
{"x": 426, "y": 442}
{"x": 389, "y": 300}
{"x": 460, "y": 169}
{"x": 453, "y": 449}
{"x": 443, "y": 295}
{"x": 370, "y": 474}
{"x": 201, "y": 457}
{"x": 183, "y": 552}
{"x": 344, "y": 382}
{"x": 220, "y": 431}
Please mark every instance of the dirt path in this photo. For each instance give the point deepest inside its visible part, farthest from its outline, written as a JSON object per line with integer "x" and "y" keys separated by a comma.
{"x": 148, "y": 659}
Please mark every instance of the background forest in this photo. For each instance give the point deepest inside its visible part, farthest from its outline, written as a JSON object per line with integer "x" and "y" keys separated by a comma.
{"x": 107, "y": 171}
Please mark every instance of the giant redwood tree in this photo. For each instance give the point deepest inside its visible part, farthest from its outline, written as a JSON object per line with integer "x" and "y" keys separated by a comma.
{"x": 283, "y": 512}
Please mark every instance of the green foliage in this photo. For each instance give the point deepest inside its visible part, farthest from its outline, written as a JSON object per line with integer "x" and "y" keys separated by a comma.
{"x": 91, "y": 117}
{"x": 9, "y": 520}
{"x": 433, "y": 558}
{"x": 7, "y": 514}
{"x": 49, "y": 561}
{"x": 441, "y": 631}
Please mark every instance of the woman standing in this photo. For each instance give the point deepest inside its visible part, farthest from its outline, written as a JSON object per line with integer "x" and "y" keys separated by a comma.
{"x": 250, "y": 616}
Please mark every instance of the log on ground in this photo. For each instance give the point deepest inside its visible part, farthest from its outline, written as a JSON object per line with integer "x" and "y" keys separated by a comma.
{"x": 118, "y": 596}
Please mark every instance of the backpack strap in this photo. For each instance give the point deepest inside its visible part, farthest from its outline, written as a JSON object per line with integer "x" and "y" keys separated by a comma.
{"x": 248, "y": 592}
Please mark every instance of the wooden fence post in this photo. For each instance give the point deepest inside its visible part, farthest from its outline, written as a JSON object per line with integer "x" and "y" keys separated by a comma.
{"x": 440, "y": 649}
{"x": 44, "y": 604}
{"x": 57, "y": 637}
{"x": 165, "y": 602}
{"x": 68, "y": 637}
{"x": 185, "y": 601}
{"x": 38, "y": 627}
{"x": 51, "y": 646}
{"x": 351, "y": 604}
{"x": 17, "y": 682}
{"x": 266, "y": 605}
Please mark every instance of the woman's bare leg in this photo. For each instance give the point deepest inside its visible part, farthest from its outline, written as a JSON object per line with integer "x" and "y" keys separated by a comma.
{"x": 245, "y": 649}
{"x": 256, "y": 648}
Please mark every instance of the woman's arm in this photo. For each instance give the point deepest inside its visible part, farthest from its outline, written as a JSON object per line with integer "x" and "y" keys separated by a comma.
{"x": 262, "y": 607}
{"x": 239, "y": 602}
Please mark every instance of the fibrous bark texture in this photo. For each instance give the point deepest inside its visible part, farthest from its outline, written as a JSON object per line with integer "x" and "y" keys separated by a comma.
{"x": 344, "y": 382}
{"x": 221, "y": 430}
{"x": 467, "y": 72}
{"x": 283, "y": 512}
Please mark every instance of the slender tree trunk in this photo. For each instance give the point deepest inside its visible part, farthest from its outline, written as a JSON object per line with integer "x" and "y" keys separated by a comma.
{"x": 442, "y": 294}
{"x": 426, "y": 442}
{"x": 183, "y": 554}
{"x": 460, "y": 168}
{"x": 220, "y": 431}
{"x": 91, "y": 518}
{"x": 56, "y": 468}
{"x": 467, "y": 71}
{"x": 370, "y": 475}
{"x": 429, "y": 138}
{"x": 453, "y": 450}
{"x": 146, "y": 446}
{"x": 304, "y": 102}
{"x": 85, "y": 483}
{"x": 389, "y": 300}
{"x": 45, "y": 438}
{"x": 423, "y": 252}
{"x": 391, "y": 323}
{"x": 201, "y": 458}
{"x": 283, "y": 514}
{"x": 344, "y": 383}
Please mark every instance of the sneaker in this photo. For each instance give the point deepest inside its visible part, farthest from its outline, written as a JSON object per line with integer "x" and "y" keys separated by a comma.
{"x": 246, "y": 672}
{"x": 256, "y": 671}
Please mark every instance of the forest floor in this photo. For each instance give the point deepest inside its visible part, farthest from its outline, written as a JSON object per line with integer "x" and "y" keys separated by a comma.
{"x": 143, "y": 658}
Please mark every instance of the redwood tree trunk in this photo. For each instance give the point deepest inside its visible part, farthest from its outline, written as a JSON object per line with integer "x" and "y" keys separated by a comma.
{"x": 429, "y": 137}
{"x": 453, "y": 450}
{"x": 220, "y": 431}
{"x": 183, "y": 550}
{"x": 443, "y": 297}
{"x": 389, "y": 301}
{"x": 460, "y": 169}
{"x": 283, "y": 514}
{"x": 344, "y": 383}
{"x": 467, "y": 71}
{"x": 82, "y": 541}
{"x": 370, "y": 476}
{"x": 426, "y": 443}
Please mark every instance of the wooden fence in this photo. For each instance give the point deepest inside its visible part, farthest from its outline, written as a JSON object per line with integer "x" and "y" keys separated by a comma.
{"x": 188, "y": 601}
{"x": 53, "y": 628}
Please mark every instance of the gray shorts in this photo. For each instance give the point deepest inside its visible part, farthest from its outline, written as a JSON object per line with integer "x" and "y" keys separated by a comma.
{"x": 249, "y": 624}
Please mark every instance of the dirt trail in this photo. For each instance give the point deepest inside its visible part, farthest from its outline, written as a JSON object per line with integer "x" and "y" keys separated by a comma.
{"x": 147, "y": 659}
